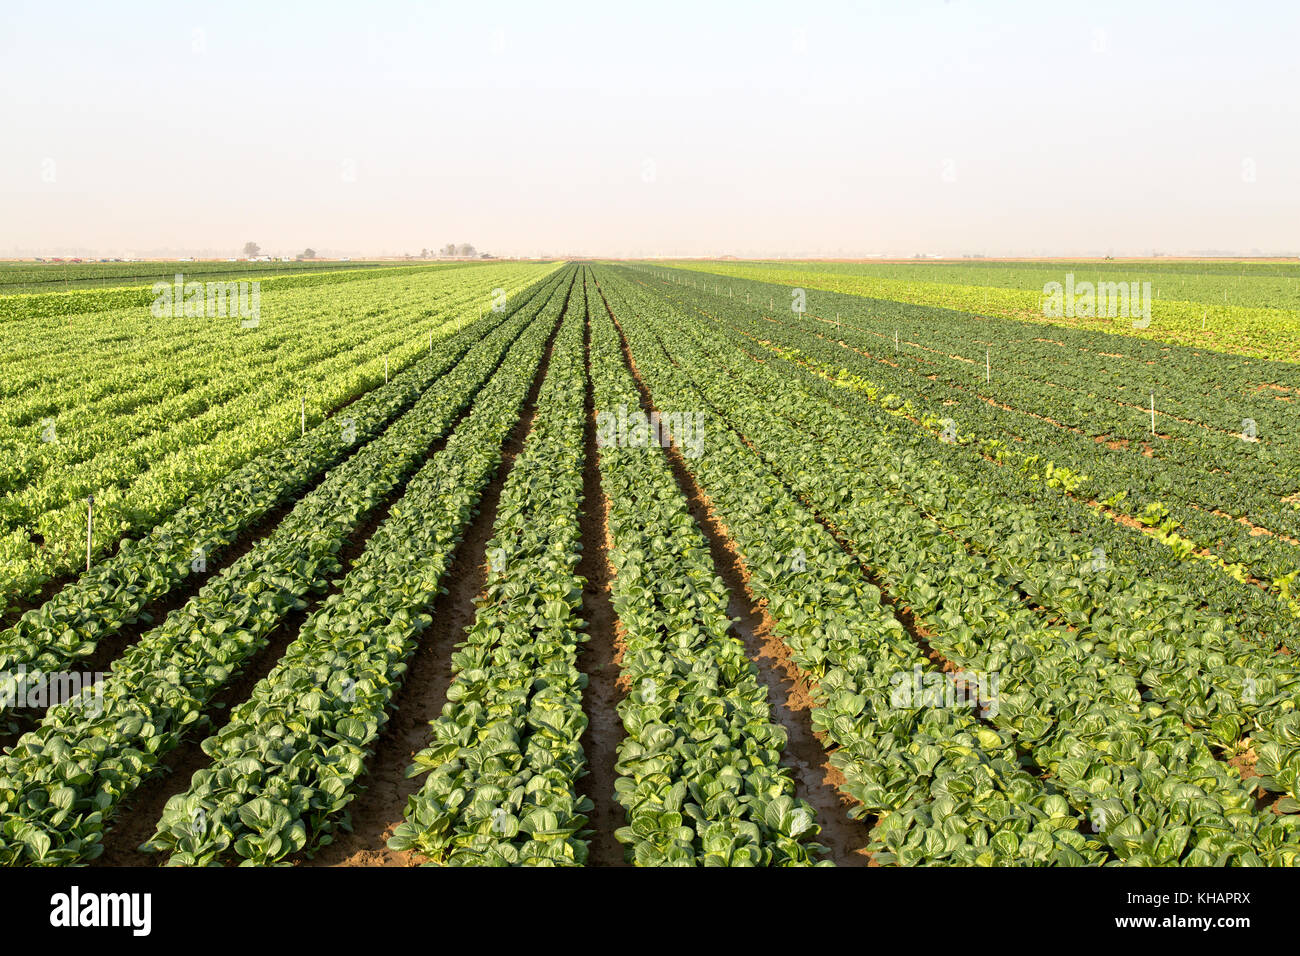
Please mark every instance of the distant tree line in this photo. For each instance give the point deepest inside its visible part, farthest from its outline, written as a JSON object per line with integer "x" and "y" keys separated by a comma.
{"x": 464, "y": 249}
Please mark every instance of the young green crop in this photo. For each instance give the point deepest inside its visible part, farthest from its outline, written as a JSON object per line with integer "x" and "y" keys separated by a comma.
{"x": 143, "y": 412}
{"x": 1254, "y": 310}
{"x": 288, "y": 760}
{"x": 501, "y": 770}
{"x": 1069, "y": 700}
{"x": 62, "y": 781}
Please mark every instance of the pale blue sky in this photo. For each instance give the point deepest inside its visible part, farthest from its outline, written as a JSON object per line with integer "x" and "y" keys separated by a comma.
{"x": 658, "y": 128}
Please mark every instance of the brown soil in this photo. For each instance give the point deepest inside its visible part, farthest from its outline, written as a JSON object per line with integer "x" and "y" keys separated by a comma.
{"x": 600, "y": 656}
{"x": 1255, "y": 529}
{"x": 1243, "y": 761}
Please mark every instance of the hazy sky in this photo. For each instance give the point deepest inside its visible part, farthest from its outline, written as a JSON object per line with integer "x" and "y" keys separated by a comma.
{"x": 652, "y": 128}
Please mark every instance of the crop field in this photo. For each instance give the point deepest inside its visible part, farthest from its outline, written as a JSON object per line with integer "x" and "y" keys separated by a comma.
{"x": 143, "y": 411}
{"x": 705, "y": 563}
{"x": 36, "y": 277}
{"x": 1249, "y": 307}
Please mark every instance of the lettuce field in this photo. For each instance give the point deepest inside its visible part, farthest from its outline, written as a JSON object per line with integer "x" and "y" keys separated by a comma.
{"x": 706, "y": 563}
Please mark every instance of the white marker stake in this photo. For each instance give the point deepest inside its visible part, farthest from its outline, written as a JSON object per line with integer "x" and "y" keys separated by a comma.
{"x": 90, "y": 525}
{"x": 895, "y": 340}
{"x": 1153, "y": 413}
{"x": 988, "y": 369}
{"x": 304, "y": 415}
